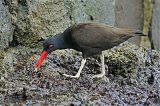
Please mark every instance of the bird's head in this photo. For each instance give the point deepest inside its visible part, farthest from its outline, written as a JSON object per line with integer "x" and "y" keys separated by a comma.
{"x": 49, "y": 45}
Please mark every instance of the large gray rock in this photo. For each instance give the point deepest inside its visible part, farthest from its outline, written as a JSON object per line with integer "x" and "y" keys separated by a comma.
{"x": 38, "y": 19}
{"x": 94, "y": 11}
{"x": 6, "y": 31}
{"x": 155, "y": 29}
{"x": 129, "y": 13}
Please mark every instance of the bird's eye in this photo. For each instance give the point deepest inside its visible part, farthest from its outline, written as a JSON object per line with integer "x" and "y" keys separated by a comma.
{"x": 50, "y": 46}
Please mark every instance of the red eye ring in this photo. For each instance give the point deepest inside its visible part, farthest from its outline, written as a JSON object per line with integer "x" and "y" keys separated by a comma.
{"x": 50, "y": 46}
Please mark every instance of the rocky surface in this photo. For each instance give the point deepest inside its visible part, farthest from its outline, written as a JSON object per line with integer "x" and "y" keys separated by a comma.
{"x": 156, "y": 25}
{"x": 6, "y": 31}
{"x": 33, "y": 20}
{"x": 134, "y": 74}
{"x": 94, "y": 11}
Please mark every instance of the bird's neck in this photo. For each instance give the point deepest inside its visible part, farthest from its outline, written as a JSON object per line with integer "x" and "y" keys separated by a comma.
{"x": 60, "y": 42}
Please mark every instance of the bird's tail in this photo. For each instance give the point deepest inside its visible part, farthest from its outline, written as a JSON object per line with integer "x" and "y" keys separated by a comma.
{"x": 139, "y": 33}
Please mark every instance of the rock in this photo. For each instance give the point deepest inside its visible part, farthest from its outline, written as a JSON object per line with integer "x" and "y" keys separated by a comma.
{"x": 6, "y": 32}
{"x": 129, "y": 13}
{"x": 134, "y": 81}
{"x": 156, "y": 25}
{"x": 35, "y": 20}
{"x": 38, "y": 19}
{"x": 94, "y": 11}
{"x": 145, "y": 40}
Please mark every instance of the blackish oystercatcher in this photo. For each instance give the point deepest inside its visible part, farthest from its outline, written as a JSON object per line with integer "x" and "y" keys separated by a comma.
{"x": 88, "y": 38}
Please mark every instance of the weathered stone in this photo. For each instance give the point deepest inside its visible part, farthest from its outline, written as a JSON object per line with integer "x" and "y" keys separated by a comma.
{"x": 94, "y": 11}
{"x": 6, "y": 31}
{"x": 155, "y": 29}
{"x": 129, "y": 13}
{"x": 138, "y": 90}
{"x": 145, "y": 40}
{"x": 38, "y": 19}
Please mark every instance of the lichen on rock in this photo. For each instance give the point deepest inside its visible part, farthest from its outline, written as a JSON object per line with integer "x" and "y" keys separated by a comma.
{"x": 6, "y": 31}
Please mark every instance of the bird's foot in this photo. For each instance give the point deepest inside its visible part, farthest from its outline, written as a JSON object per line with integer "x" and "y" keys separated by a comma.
{"x": 71, "y": 76}
{"x": 98, "y": 76}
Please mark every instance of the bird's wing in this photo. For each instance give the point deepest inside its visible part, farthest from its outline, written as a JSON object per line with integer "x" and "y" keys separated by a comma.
{"x": 100, "y": 36}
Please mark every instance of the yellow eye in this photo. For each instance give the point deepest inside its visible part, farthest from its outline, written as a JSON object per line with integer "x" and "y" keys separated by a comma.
{"x": 50, "y": 46}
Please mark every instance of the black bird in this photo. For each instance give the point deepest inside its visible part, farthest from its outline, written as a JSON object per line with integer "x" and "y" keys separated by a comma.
{"x": 88, "y": 38}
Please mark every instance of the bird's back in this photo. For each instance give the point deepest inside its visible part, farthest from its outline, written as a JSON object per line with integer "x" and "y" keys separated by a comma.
{"x": 96, "y": 36}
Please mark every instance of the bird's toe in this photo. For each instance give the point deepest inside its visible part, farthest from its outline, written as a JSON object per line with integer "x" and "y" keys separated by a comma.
{"x": 98, "y": 76}
{"x": 70, "y": 76}
{"x": 101, "y": 76}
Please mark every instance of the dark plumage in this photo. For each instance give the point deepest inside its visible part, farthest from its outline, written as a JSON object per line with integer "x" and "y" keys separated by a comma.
{"x": 88, "y": 38}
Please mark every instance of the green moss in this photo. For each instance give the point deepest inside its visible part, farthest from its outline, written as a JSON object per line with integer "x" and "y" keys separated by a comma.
{"x": 122, "y": 60}
{"x": 2, "y": 54}
{"x": 146, "y": 24}
{"x": 121, "y": 65}
{"x": 147, "y": 14}
{"x": 28, "y": 40}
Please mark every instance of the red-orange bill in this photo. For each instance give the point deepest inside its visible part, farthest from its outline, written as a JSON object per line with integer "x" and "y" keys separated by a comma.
{"x": 40, "y": 60}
